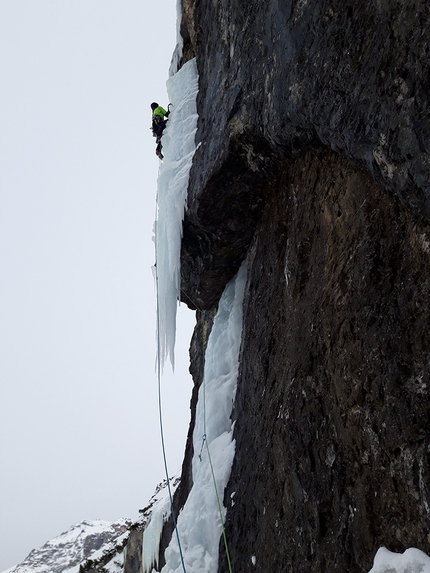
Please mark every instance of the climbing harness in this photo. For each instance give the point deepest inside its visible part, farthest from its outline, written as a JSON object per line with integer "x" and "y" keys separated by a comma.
{"x": 158, "y": 126}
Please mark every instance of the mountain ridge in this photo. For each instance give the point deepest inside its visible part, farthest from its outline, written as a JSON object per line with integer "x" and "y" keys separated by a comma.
{"x": 65, "y": 552}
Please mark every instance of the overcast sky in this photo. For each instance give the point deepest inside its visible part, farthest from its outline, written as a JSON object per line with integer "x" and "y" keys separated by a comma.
{"x": 79, "y": 436}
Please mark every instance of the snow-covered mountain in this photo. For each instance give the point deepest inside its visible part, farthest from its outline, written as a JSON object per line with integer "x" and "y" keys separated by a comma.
{"x": 85, "y": 540}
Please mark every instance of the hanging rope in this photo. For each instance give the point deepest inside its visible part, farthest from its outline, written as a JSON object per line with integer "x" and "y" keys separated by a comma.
{"x": 205, "y": 441}
{"x": 227, "y": 553}
{"x": 161, "y": 428}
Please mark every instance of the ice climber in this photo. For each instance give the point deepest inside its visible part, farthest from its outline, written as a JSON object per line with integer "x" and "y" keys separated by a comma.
{"x": 159, "y": 120}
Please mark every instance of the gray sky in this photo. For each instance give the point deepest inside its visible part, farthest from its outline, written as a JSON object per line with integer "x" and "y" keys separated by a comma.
{"x": 79, "y": 436}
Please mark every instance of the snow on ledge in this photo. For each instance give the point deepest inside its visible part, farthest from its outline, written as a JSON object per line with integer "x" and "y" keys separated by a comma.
{"x": 411, "y": 561}
{"x": 178, "y": 149}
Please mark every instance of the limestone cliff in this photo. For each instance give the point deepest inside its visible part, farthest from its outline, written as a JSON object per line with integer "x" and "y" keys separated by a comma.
{"x": 313, "y": 165}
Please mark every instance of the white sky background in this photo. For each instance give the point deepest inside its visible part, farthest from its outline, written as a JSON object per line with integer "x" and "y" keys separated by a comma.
{"x": 79, "y": 435}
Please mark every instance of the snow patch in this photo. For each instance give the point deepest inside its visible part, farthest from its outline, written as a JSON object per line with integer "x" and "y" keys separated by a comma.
{"x": 411, "y": 561}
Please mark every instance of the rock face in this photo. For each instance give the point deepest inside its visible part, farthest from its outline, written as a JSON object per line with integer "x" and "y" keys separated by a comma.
{"x": 277, "y": 78}
{"x": 332, "y": 408}
{"x": 314, "y": 165}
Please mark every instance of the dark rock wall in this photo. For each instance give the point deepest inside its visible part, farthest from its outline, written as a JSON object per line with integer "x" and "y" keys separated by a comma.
{"x": 314, "y": 164}
{"x": 276, "y": 77}
{"x": 332, "y": 456}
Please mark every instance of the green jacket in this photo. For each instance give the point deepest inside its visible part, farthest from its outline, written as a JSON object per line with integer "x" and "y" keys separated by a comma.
{"x": 159, "y": 111}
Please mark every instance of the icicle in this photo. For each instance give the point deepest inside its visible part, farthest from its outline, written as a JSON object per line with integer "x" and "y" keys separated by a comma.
{"x": 152, "y": 534}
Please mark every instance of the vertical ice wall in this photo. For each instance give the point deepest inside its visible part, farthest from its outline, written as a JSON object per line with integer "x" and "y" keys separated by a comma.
{"x": 177, "y": 54}
{"x": 199, "y": 523}
{"x": 178, "y": 149}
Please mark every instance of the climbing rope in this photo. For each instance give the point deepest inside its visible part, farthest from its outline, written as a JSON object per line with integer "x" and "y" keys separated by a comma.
{"x": 205, "y": 441}
{"x": 227, "y": 553}
{"x": 161, "y": 428}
